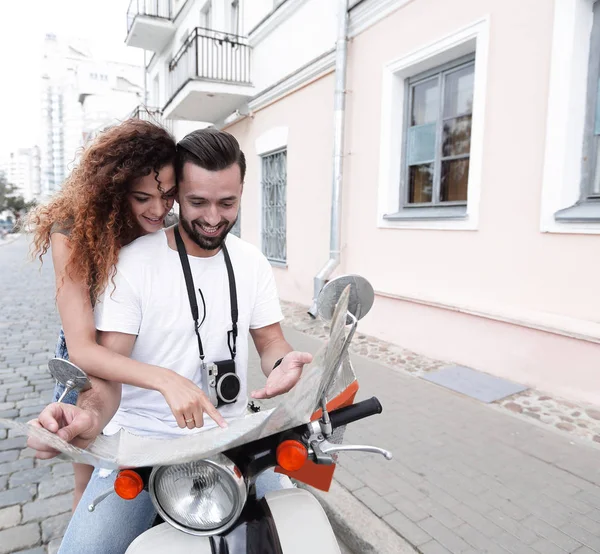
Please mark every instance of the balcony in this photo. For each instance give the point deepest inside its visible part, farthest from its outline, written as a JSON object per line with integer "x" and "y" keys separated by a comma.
{"x": 155, "y": 115}
{"x": 209, "y": 77}
{"x": 150, "y": 24}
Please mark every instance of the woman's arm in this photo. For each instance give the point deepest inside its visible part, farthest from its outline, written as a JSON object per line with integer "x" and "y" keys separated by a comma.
{"x": 77, "y": 317}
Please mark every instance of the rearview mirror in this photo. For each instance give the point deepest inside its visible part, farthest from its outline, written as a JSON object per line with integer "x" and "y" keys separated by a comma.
{"x": 69, "y": 375}
{"x": 360, "y": 301}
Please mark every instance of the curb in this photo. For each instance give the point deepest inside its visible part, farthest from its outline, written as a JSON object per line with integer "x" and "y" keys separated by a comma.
{"x": 358, "y": 528}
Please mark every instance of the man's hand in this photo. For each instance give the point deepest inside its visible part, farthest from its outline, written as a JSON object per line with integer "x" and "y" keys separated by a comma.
{"x": 189, "y": 403}
{"x": 285, "y": 376}
{"x": 72, "y": 424}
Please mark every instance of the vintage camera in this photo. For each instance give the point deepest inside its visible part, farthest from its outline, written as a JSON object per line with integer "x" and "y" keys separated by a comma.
{"x": 223, "y": 383}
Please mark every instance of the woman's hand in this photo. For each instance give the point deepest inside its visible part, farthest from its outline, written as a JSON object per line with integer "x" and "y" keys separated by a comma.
{"x": 72, "y": 424}
{"x": 188, "y": 402}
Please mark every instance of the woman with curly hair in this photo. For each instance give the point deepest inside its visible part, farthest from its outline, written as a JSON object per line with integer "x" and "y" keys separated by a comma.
{"x": 123, "y": 188}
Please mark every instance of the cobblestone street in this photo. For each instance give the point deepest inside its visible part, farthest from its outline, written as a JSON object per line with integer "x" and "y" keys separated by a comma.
{"x": 466, "y": 477}
{"x": 35, "y": 496}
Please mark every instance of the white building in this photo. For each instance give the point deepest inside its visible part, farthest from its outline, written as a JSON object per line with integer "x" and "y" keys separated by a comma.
{"x": 468, "y": 162}
{"x": 81, "y": 93}
{"x": 22, "y": 169}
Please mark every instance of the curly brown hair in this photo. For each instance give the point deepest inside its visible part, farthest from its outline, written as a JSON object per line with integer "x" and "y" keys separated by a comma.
{"x": 93, "y": 205}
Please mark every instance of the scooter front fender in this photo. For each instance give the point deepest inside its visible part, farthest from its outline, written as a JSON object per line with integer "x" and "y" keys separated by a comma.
{"x": 301, "y": 523}
{"x": 165, "y": 538}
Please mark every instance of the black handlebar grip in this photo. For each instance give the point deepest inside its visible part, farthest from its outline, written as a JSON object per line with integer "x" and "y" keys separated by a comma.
{"x": 349, "y": 414}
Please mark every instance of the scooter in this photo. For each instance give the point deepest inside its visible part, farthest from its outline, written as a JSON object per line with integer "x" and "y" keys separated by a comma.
{"x": 209, "y": 506}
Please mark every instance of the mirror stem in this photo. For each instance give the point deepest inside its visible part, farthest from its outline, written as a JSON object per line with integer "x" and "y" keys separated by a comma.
{"x": 69, "y": 386}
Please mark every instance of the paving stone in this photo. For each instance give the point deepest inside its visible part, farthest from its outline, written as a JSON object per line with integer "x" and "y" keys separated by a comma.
{"x": 10, "y": 444}
{"x": 347, "y": 480}
{"x": 20, "y": 495}
{"x": 407, "y": 529}
{"x": 41, "y": 509}
{"x": 18, "y": 538}
{"x": 54, "y": 545}
{"x": 32, "y": 411}
{"x": 63, "y": 468}
{"x": 54, "y": 487}
{"x": 19, "y": 465}
{"x": 9, "y": 456}
{"x": 443, "y": 535}
{"x": 38, "y": 550}
{"x": 544, "y": 546}
{"x": 3, "y": 482}
{"x": 54, "y": 527}
{"x": 433, "y": 547}
{"x": 9, "y": 517}
{"x": 29, "y": 476}
{"x": 9, "y": 414}
{"x": 375, "y": 502}
{"x": 552, "y": 534}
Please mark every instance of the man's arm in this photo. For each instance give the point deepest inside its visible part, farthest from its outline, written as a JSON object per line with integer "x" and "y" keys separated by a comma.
{"x": 272, "y": 346}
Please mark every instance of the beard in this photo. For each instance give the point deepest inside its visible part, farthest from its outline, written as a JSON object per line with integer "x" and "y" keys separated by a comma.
{"x": 204, "y": 242}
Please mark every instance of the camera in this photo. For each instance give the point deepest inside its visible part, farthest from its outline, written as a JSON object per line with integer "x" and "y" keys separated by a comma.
{"x": 222, "y": 381}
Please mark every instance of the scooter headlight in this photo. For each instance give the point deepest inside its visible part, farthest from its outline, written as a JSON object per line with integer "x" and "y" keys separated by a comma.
{"x": 201, "y": 498}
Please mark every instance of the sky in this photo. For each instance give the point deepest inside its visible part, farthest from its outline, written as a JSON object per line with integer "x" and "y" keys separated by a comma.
{"x": 23, "y": 26}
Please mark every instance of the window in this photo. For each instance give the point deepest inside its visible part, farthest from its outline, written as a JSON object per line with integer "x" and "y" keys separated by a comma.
{"x": 274, "y": 195}
{"x": 587, "y": 208}
{"x": 207, "y": 17}
{"x": 438, "y": 136}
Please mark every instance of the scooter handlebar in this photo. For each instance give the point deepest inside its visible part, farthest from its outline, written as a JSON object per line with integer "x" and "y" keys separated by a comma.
{"x": 357, "y": 411}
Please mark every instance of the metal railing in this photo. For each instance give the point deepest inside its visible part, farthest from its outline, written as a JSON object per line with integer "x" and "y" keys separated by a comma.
{"x": 212, "y": 56}
{"x": 162, "y": 9}
{"x": 154, "y": 115}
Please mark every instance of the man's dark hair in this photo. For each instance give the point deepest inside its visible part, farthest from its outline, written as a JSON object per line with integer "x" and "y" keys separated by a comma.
{"x": 210, "y": 149}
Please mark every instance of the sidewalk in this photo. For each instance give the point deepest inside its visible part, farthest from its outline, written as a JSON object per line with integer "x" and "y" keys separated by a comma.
{"x": 467, "y": 477}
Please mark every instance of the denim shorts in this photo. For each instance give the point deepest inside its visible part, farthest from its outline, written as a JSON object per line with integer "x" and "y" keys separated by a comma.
{"x": 62, "y": 352}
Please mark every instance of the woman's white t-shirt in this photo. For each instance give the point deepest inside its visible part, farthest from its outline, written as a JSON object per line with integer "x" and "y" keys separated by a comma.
{"x": 150, "y": 300}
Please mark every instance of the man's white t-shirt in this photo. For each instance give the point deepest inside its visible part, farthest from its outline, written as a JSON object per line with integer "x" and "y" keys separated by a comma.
{"x": 150, "y": 300}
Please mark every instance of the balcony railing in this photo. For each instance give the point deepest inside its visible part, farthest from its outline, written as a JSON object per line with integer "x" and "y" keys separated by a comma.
{"x": 162, "y": 9}
{"x": 154, "y": 115}
{"x": 212, "y": 56}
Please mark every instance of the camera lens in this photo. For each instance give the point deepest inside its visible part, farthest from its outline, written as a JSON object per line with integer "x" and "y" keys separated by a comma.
{"x": 229, "y": 388}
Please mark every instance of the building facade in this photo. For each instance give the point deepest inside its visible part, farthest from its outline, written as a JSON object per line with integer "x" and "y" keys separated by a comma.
{"x": 470, "y": 187}
{"x": 81, "y": 93}
{"x": 22, "y": 169}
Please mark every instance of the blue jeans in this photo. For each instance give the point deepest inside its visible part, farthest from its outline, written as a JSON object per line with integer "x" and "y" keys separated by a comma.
{"x": 116, "y": 523}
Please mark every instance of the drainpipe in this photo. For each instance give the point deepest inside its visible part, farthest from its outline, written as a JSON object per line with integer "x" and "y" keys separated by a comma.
{"x": 341, "y": 55}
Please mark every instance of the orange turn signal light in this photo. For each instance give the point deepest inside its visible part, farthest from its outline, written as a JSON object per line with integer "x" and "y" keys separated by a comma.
{"x": 128, "y": 484}
{"x": 291, "y": 455}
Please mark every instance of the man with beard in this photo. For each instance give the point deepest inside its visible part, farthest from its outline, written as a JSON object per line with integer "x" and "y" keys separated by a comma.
{"x": 185, "y": 298}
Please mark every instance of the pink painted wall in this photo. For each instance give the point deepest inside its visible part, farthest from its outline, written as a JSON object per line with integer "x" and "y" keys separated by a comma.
{"x": 308, "y": 116}
{"x": 506, "y": 266}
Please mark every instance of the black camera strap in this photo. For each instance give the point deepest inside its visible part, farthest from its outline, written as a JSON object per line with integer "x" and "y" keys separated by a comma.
{"x": 189, "y": 282}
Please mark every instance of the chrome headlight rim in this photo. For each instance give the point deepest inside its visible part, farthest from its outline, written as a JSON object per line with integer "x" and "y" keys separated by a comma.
{"x": 228, "y": 470}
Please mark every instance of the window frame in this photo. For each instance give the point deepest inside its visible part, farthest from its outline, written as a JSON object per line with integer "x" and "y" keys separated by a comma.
{"x": 472, "y": 39}
{"x": 587, "y": 208}
{"x": 274, "y": 261}
{"x": 438, "y": 206}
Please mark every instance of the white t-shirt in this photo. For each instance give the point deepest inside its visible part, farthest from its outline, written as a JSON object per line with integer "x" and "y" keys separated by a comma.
{"x": 151, "y": 301}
